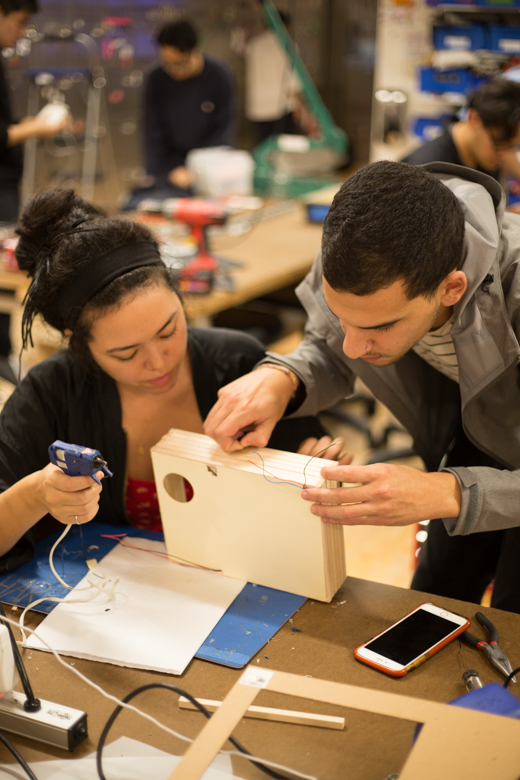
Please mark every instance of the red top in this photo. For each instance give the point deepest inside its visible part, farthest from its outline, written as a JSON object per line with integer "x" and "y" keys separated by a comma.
{"x": 142, "y": 505}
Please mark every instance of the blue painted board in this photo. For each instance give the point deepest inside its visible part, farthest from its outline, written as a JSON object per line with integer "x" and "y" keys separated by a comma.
{"x": 254, "y": 616}
{"x": 252, "y": 619}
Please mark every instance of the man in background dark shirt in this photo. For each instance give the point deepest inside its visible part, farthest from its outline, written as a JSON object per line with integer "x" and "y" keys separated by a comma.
{"x": 486, "y": 139}
{"x": 188, "y": 105}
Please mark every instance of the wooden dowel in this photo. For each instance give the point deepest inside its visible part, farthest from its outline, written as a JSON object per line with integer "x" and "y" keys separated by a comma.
{"x": 268, "y": 713}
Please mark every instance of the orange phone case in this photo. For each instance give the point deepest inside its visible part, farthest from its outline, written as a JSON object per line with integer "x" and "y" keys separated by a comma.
{"x": 418, "y": 661}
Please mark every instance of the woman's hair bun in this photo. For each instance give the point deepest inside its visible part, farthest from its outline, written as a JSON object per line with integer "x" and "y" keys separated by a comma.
{"x": 48, "y": 215}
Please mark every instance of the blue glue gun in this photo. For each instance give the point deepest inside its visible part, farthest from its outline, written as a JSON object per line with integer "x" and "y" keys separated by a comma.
{"x": 78, "y": 461}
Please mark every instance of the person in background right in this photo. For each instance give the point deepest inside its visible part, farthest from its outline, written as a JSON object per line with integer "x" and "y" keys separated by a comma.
{"x": 486, "y": 139}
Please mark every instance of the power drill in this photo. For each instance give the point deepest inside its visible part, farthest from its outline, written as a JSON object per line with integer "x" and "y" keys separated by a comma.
{"x": 77, "y": 461}
{"x": 198, "y": 275}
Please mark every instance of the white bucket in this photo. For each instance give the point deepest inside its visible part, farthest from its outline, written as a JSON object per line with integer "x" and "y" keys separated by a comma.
{"x": 220, "y": 170}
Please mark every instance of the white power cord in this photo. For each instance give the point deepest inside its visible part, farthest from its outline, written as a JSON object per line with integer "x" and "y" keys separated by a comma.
{"x": 8, "y": 673}
{"x": 96, "y": 587}
{"x": 120, "y": 703}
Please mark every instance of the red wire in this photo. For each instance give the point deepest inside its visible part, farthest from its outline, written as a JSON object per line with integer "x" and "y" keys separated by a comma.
{"x": 159, "y": 555}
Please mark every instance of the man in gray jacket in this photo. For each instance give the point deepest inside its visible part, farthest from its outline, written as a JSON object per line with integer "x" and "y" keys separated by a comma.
{"x": 417, "y": 292}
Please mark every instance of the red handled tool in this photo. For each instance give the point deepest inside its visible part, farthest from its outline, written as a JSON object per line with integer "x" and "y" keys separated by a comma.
{"x": 198, "y": 214}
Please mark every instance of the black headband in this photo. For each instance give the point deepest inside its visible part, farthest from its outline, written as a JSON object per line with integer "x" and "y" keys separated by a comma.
{"x": 79, "y": 222}
{"x": 100, "y": 272}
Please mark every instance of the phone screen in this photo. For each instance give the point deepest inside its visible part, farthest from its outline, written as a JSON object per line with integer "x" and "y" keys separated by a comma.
{"x": 412, "y": 637}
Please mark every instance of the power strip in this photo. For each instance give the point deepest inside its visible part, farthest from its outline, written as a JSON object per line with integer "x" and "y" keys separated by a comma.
{"x": 53, "y": 724}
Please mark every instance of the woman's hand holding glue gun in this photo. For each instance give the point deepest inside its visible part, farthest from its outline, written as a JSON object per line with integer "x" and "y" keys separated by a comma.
{"x": 73, "y": 500}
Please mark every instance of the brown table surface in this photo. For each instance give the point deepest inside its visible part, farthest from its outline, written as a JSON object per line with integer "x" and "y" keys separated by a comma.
{"x": 277, "y": 252}
{"x": 370, "y": 747}
{"x": 13, "y": 280}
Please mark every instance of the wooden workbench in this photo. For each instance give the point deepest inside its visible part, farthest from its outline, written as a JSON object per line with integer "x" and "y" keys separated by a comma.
{"x": 10, "y": 280}
{"x": 370, "y": 748}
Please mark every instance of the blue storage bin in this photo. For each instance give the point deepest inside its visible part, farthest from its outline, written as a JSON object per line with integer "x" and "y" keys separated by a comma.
{"x": 316, "y": 212}
{"x": 468, "y": 37}
{"x": 498, "y": 3}
{"x": 512, "y": 188}
{"x": 504, "y": 39}
{"x": 450, "y": 2}
{"x": 428, "y": 127}
{"x": 454, "y": 80}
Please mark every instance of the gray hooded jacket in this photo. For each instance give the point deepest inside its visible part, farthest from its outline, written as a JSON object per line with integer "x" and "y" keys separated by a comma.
{"x": 431, "y": 406}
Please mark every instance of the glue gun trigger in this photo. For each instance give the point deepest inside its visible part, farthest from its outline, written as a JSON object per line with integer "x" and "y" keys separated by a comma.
{"x": 105, "y": 472}
{"x": 97, "y": 479}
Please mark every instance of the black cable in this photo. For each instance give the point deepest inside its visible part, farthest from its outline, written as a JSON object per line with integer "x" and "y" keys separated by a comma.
{"x": 18, "y": 757}
{"x": 197, "y": 704}
{"x": 31, "y": 704}
{"x": 510, "y": 676}
{"x": 316, "y": 456}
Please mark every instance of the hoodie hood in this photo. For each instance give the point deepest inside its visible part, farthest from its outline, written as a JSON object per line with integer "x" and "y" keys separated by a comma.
{"x": 480, "y": 355}
{"x": 483, "y": 203}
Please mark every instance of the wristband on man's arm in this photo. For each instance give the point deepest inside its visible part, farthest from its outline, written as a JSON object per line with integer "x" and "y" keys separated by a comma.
{"x": 287, "y": 371}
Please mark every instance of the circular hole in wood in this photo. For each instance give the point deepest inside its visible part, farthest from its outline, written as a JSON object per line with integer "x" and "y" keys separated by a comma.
{"x": 178, "y": 488}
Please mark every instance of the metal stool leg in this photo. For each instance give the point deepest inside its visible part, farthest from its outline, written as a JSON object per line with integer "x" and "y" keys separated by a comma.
{"x": 88, "y": 177}
{"x": 29, "y": 157}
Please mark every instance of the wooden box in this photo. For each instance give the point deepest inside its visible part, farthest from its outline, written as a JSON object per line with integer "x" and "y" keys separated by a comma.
{"x": 247, "y": 519}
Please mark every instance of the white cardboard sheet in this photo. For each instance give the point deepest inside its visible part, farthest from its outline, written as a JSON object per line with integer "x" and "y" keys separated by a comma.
{"x": 161, "y": 614}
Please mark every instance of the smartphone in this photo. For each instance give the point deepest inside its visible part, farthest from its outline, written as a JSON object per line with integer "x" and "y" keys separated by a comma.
{"x": 412, "y": 640}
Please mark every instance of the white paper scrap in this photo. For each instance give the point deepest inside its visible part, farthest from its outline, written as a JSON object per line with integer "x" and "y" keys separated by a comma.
{"x": 161, "y": 614}
{"x": 124, "y": 759}
{"x": 125, "y": 746}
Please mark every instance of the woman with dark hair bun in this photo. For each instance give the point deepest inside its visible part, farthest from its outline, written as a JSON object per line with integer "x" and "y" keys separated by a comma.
{"x": 132, "y": 371}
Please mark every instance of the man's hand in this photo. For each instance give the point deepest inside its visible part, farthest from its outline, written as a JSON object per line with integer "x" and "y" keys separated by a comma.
{"x": 248, "y": 409}
{"x": 387, "y": 495}
{"x": 66, "y": 498}
{"x": 325, "y": 447}
{"x": 180, "y": 177}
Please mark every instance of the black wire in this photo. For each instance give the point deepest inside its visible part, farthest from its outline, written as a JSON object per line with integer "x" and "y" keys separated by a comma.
{"x": 460, "y": 657}
{"x": 197, "y": 704}
{"x": 510, "y": 676}
{"x": 32, "y": 704}
{"x": 18, "y": 757}
{"x": 315, "y": 456}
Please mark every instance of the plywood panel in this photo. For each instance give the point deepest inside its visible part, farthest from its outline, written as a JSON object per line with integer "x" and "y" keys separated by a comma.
{"x": 454, "y": 742}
